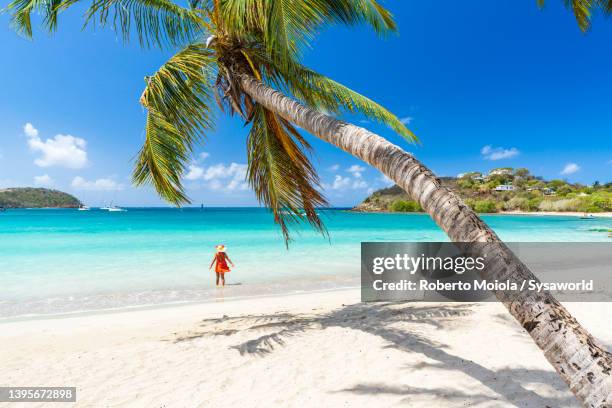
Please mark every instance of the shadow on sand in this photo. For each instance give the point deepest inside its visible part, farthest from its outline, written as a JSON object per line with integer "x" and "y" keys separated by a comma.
{"x": 378, "y": 319}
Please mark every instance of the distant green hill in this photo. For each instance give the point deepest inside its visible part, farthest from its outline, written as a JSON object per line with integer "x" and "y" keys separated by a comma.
{"x": 27, "y": 197}
{"x": 504, "y": 189}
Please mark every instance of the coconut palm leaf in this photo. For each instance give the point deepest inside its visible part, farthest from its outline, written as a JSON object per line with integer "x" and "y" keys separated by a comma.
{"x": 161, "y": 160}
{"x": 289, "y": 26}
{"x": 181, "y": 89}
{"x": 21, "y": 14}
{"x": 158, "y": 23}
{"x": 280, "y": 172}
{"x": 324, "y": 93}
{"x": 584, "y": 10}
{"x": 178, "y": 99}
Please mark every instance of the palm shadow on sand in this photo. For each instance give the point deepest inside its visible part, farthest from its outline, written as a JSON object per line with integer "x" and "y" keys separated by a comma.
{"x": 377, "y": 319}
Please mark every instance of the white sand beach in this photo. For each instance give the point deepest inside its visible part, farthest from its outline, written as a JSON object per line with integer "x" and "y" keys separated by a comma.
{"x": 308, "y": 350}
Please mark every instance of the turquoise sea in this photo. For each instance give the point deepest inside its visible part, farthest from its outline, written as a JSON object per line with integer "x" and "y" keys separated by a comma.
{"x": 65, "y": 261}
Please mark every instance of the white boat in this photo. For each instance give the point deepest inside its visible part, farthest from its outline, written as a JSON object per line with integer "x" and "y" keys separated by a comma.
{"x": 113, "y": 208}
{"x": 84, "y": 208}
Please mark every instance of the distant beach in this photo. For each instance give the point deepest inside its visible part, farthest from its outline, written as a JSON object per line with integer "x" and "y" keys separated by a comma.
{"x": 558, "y": 214}
{"x": 540, "y": 213}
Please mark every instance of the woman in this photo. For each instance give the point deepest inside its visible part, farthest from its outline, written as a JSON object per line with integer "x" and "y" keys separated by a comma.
{"x": 221, "y": 259}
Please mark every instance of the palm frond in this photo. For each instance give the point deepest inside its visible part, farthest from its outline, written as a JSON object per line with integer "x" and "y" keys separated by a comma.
{"x": 21, "y": 14}
{"x": 181, "y": 89}
{"x": 324, "y": 93}
{"x": 161, "y": 160}
{"x": 584, "y": 10}
{"x": 280, "y": 172}
{"x": 288, "y": 26}
{"x": 178, "y": 99}
{"x": 353, "y": 12}
{"x": 157, "y": 23}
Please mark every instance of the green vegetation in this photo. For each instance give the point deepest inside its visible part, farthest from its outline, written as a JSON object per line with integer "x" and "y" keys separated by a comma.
{"x": 405, "y": 206}
{"x": 36, "y": 198}
{"x": 483, "y": 206}
{"x": 505, "y": 189}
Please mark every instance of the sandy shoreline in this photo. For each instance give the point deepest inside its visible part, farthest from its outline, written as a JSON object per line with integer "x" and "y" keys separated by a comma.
{"x": 316, "y": 349}
{"x": 538, "y": 213}
{"x": 553, "y": 213}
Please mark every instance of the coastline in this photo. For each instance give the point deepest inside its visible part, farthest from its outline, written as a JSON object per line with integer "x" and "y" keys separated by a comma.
{"x": 341, "y": 352}
{"x": 555, "y": 213}
{"x": 220, "y": 297}
{"x": 535, "y": 213}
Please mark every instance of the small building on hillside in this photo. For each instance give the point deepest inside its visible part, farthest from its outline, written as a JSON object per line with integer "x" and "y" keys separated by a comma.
{"x": 548, "y": 191}
{"x": 504, "y": 187}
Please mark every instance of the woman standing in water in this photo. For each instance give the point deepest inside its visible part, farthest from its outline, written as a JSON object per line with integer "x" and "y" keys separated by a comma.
{"x": 221, "y": 259}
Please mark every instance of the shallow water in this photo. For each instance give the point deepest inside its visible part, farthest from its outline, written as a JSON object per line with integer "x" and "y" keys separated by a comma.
{"x": 58, "y": 261}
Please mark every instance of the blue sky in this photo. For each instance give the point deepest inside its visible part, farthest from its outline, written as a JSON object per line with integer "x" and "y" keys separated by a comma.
{"x": 482, "y": 86}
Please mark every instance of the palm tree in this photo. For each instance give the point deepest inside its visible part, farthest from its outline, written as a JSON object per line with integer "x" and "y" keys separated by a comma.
{"x": 245, "y": 55}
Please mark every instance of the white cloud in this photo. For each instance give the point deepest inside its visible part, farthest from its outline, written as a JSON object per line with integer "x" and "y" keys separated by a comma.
{"x": 340, "y": 183}
{"x": 204, "y": 155}
{"x": 334, "y": 167}
{"x": 498, "y": 153}
{"x": 43, "y": 180}
{"x": 406, "y": 120}
{"x": 345, "y": 183}
{"x": 570, "y": 168}
{"x": 102, "y": 184}
{"x": 63, "y": 150}
{"x": 30, "y": 130}
{"x": 356, "y": 170}
{"x": 221, "y": 171}
{"x": 358, "y": 184}
{"x": 194, "y": 173}
{"x": 220, "y": 176}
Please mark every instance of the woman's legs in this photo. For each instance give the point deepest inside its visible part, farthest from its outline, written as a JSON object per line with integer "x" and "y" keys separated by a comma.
{"x": 222, "y": 279}
{"x": 218, "y": 274}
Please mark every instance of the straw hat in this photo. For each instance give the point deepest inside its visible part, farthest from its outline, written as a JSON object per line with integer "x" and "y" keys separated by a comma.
{"x": 220, "y": 248}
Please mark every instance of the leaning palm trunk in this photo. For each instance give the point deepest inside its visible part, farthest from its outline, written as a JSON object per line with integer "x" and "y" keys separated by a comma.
{"x": 583, "y": 364}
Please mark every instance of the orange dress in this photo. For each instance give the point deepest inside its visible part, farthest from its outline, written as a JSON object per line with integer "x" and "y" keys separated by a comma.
{"x": 221, "y": 264}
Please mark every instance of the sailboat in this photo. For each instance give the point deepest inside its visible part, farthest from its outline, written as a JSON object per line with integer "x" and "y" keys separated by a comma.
{"x": 84, "y": 207}
{"x": 113, "y": 208}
